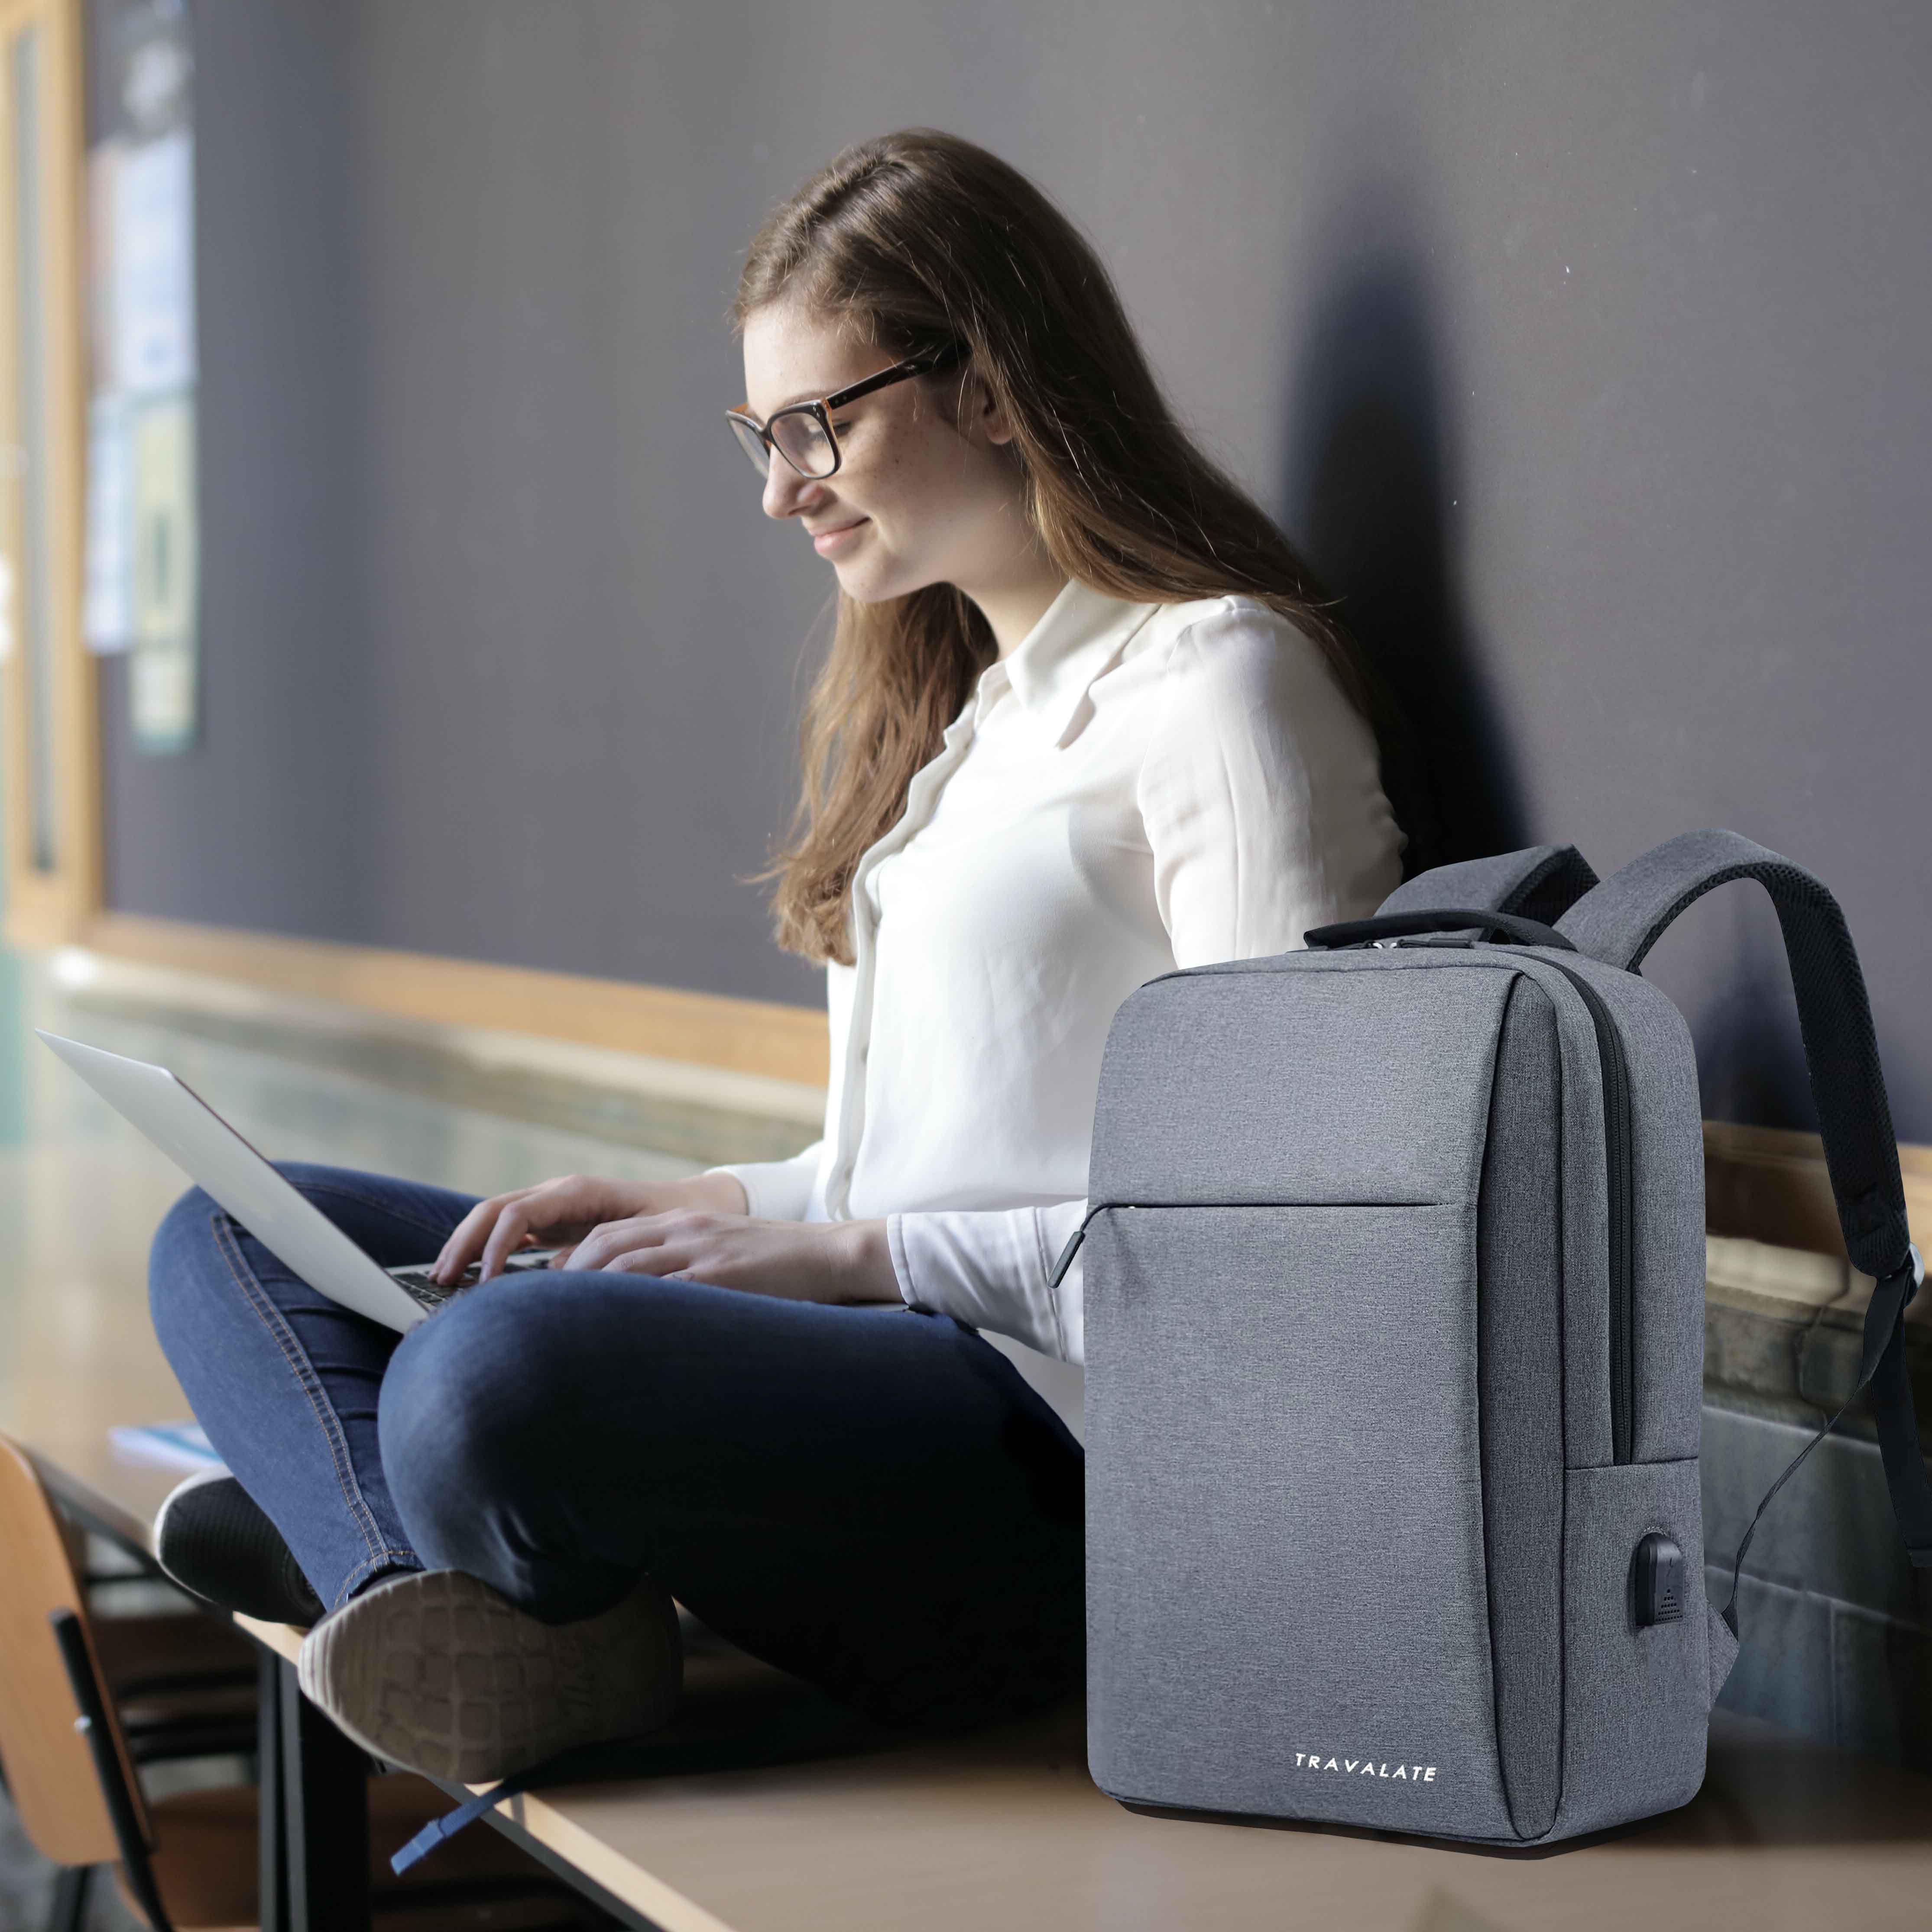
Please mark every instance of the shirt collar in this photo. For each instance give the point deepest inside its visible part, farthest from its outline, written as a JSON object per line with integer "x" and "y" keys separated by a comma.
{"x": 1079, "y": 635}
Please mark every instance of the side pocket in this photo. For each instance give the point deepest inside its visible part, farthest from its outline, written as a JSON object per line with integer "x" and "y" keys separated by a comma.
{"x": 1635, "y": 1700}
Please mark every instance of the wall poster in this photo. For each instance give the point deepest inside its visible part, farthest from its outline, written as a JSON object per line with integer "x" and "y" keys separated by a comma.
{"x": 142, "y": 538}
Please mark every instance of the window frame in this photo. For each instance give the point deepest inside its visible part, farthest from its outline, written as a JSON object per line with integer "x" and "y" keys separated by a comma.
{"x": 47, "y": 905}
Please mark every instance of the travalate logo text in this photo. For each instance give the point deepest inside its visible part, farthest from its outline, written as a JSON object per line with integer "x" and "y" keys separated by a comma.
{"x": 1366, "y": 1767}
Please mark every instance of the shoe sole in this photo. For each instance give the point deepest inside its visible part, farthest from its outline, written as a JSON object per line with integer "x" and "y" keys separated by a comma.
{"x": 435, "y": 1672}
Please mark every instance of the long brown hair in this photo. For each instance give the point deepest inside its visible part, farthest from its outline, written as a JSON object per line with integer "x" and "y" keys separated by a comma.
{"x": 920, "y": 239}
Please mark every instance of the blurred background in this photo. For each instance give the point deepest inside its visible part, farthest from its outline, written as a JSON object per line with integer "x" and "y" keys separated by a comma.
{"x": 1581, "y": 348}
{"x": 400, "y": 682}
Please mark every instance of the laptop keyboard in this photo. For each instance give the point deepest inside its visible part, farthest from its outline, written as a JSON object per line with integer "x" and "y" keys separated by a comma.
{"x": 419, "y": 1285}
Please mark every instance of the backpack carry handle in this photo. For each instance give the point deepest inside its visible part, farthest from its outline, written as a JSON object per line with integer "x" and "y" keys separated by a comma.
{"x": 1620, "y": 920}
{"x": 1506, "y": 926}
{"x": 1540, "y": 882}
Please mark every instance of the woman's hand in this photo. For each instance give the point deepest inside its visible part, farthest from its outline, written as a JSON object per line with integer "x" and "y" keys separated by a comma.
{"x": 798, "y": 1261}
{"x": 695, "y": 1229}
{"x": 564, "y": 1211}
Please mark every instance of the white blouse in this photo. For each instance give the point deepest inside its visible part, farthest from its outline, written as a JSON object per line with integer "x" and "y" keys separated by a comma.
{"x": 1136, "y": 787}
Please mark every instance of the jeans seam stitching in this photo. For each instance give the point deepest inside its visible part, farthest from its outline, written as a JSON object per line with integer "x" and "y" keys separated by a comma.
{"x": 306, "y": 1378}
{"x": 367, "y": 1567}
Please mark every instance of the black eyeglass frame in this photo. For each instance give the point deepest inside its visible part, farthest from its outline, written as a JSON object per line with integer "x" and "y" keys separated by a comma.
{"x": 929, "y": 362}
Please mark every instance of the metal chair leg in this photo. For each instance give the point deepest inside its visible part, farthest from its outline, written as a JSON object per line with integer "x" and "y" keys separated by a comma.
{"x": 325, "y": 1782}
{"x": 271, "y": 1824}
{"x": 97, "y": 1726}
{"x": 69, "y": 1908}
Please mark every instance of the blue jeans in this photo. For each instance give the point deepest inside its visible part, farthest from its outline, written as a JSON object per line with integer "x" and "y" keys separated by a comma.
{"x": 869, "y": 1497}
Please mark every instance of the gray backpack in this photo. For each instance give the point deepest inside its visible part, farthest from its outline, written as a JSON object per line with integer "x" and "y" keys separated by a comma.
{"x": 1394, "y": 1267}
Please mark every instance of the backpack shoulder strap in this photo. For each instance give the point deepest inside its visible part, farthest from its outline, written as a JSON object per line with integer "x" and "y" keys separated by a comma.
{"x": 1537, "y": 882}
{"x": 1620, "y": 920}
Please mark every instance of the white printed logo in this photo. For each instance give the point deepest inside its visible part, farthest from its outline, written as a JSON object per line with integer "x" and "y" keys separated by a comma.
{"x": 1365, "y": 1767}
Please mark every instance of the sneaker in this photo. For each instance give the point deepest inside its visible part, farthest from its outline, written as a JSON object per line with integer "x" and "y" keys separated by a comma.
{"x": 216, "y": 1541}
{"x": 435, "y": 1672}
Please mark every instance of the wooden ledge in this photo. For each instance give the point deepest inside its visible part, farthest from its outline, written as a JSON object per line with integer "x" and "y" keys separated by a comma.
{"x": 1793, "y": 1283}
{"x": 758, "y": 1038}
{"x": 1769, "y": 1184}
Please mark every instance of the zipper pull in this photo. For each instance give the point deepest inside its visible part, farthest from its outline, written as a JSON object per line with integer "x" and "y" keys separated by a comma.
{"x": 1066, "y": 1260}
{"x": 1073, "y": 1246}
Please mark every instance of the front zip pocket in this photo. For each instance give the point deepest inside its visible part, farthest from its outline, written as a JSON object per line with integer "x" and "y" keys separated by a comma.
{"x": 1286, "y": 1560}
{"x": 1620, "y": 1185}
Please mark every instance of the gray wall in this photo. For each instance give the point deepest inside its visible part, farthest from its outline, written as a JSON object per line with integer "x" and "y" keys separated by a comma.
{"x": 266, "y": 825}
{"x": 1582, "y": 346}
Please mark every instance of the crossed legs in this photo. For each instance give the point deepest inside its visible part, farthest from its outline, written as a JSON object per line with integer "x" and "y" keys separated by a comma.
{"x": 870, "y": 1497}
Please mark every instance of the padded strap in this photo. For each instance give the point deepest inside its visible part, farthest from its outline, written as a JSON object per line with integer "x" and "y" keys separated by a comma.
{"x": 1884, "y": 1348}
{"x": 1622, "y": 918}
{"x": 1619, "y": 921}
{"x": 465, "y": 1815}
{"x": 1889, "y": 1395}
{"x": 1540, "y": 882}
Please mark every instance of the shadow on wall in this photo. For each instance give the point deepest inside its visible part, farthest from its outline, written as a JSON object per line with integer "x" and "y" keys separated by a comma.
{"x": 1367, "y": 491}
{"x": 1734, "y": 982}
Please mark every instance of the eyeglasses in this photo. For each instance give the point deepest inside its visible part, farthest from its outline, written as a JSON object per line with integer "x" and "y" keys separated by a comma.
{"x": 802, "y": 432}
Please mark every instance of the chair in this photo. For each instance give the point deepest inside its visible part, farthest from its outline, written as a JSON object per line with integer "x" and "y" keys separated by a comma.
{"x": 182, "y": 1685}
{"x": 183, "y": 1682}
{"x": 188, "y": 1862}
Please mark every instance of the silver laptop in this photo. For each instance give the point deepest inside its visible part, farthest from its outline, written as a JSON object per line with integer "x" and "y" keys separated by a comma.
{"x": 297, "y": 1232}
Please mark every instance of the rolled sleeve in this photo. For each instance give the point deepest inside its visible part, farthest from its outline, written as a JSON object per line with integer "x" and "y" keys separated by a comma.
{"x": 778, "y": 1190}
{"x": 991, "y": 1268}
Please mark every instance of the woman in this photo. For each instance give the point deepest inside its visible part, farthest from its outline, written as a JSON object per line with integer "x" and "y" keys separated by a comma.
{"x": 1082, "y": 721}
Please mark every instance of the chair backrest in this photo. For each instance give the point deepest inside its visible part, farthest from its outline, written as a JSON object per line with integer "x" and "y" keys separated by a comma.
{"x": 50, "y": 1772}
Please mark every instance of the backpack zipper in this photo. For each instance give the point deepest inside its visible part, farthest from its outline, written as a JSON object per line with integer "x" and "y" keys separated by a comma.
{"x": 1617, "y": 1139}
{"x": 1617, "y": 1144}
{"x": 1075, "y": 1240}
